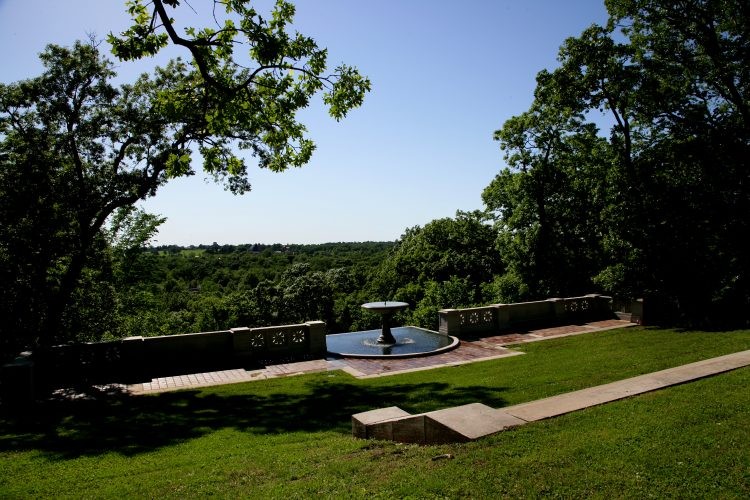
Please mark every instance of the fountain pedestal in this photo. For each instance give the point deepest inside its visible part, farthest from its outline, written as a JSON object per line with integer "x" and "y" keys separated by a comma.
{"x": 386, "y": 310}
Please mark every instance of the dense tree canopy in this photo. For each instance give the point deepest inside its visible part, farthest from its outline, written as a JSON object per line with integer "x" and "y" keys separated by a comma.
{"x": 443, "y": 264}
{"x": 659, "y": 208}
{"x": 168, "y": 290}
{"x": 548, "y": 204}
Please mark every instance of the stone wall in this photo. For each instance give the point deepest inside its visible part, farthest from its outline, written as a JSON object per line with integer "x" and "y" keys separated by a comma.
{"x": 138, "y": 359}
{"x": 497, "y": 317}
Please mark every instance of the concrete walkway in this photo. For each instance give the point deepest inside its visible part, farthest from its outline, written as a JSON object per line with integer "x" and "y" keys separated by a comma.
{"x": 469, "y": 422}
{"x": 196, "y": 380}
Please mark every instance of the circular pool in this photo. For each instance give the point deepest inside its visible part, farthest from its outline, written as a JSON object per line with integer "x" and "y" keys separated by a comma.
{"x": 410, "y": 341}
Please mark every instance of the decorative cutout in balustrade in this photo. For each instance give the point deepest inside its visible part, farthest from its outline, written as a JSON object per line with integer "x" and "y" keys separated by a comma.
{"x": 113, "y": 354}
{"x": 577, "y": 305}
{"x": 295, "y": 338}
{"x": 476, "y": 319}
{"x": 256, "y": 341}
{"x": 86, "y": 357}
{"x": 278, "y": 338}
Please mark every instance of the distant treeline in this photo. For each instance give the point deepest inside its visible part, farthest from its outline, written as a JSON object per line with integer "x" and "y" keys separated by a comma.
{"x": 306, "y": 249}
{"x": 236, "y": 266}
{"x": 177, "y": 289}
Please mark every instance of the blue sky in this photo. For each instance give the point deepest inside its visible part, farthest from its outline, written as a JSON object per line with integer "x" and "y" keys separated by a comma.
{"x": 445, "y": 76}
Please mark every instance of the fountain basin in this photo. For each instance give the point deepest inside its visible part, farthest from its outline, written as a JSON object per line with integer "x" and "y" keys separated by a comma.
{"x": 410, "y": 342}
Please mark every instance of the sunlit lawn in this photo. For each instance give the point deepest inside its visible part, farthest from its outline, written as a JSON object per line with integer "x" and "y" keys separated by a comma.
{"x": 290, "y": 437}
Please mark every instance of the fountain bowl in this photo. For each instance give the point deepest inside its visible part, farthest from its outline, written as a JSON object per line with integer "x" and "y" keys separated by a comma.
{"x": 386, "y": 307}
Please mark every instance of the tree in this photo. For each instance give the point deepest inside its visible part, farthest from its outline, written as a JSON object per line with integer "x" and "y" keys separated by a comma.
{"x": 694, "y": 142}
{"x": 69, "y": 143}
{"x": 673, "y": 176}
{"x": 443, "y": 264}
{"x": 75, "y": 149}
{"x": 547, "y": 205}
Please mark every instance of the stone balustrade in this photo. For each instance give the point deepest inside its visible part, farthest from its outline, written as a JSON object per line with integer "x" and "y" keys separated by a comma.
{"x": 497, "y": 317}
{"x": 136, "y": 359}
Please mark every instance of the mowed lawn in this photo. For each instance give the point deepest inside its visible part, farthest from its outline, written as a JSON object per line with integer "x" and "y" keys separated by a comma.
{"x": 291, "y": 437}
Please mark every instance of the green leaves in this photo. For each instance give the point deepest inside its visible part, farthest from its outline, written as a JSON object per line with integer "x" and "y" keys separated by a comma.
{"x": 230, "y": 103}
{"x": 79, "y": 152}
{"x": 140, "y": 39}
{"x": 347, "y": 93}
{"x": 654, "y": 209}
{"x": 463, "y": 247}
{"x": 178, "y": 165}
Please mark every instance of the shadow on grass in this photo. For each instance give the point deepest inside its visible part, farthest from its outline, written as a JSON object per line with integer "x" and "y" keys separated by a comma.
{"x": 117, "y": 422}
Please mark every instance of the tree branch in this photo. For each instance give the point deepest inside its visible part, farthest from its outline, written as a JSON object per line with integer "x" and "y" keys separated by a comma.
{"x": 191, "y": 45}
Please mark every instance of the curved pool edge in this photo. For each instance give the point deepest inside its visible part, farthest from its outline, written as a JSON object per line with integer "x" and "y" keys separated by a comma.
{"x": 455, "y": 342}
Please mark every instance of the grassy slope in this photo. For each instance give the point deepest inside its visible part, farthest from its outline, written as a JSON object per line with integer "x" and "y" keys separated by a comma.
{"x": 290, "y": 437}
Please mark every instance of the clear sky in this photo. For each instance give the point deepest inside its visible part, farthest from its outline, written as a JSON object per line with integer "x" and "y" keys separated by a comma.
{"x": 445, "y": 76}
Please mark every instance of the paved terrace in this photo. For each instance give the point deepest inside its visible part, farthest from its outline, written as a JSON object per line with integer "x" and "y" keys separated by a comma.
{"x": 471, "y": 421}
{"x": 469, "y": 351}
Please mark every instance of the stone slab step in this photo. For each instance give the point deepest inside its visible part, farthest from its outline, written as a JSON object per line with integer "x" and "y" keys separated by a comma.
{"x": 474, "y": 420}
{"x": 449, "y": 425}
{"x": 624, "y": 316}
{"x": 361, "y": 421}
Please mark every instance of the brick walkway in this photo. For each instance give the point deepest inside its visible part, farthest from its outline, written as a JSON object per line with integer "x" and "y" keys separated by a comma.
{"x": 469, "y": 351}
{"x": 228, "y": 376}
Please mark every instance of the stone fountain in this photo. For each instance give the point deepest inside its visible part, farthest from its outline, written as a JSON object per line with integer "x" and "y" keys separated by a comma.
{"x": 401, "y": 342}
{"x": 386, "y": 310}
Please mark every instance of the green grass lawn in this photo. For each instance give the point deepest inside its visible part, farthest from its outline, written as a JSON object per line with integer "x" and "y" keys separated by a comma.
{"x": 291, "y": 437}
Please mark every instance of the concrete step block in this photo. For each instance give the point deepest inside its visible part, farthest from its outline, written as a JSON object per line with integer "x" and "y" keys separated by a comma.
{"x": 361, "y": 421}
{"x": 470, "y": 421}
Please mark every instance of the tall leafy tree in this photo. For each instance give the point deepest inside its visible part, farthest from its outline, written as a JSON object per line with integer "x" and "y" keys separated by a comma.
{"x": 76, "y": 149}
{"x": 694, "y": 145}
{"x": 443, "y": 264}
{"x": 673, "y": 78}
{"x": 547, "y": 205}
{"x": 70, "y": 144}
